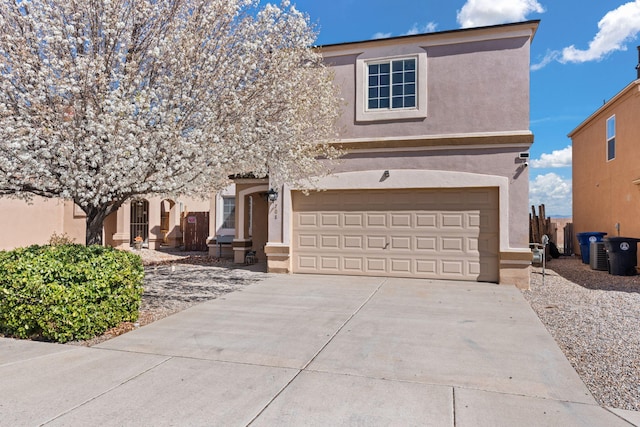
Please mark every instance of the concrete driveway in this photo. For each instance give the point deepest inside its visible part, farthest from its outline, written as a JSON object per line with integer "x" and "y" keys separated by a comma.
{"x": 313, "y": 350}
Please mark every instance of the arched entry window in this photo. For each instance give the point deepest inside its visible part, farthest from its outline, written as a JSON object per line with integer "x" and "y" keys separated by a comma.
{"x": 140, "y": 220}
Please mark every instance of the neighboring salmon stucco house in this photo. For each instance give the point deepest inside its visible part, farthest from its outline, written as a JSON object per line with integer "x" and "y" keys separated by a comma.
{"x": 433, "y": 184}
{"x": 156, "y": 220}
{"x": 606, "y": 167}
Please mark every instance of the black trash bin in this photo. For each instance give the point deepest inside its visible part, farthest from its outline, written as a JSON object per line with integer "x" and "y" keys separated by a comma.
{"x": 623, "y": 255}
{"x": 585, "y": 239}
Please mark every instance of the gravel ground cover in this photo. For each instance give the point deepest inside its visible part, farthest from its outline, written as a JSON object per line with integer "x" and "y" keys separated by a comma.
{"x": 595, "y": 319}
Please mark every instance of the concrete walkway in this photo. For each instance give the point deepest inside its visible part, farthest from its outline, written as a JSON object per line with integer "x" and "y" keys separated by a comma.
{"x": 313, "y": 350}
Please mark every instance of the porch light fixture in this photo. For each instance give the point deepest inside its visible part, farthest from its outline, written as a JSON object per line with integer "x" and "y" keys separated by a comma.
{"x": 272, "y": 195}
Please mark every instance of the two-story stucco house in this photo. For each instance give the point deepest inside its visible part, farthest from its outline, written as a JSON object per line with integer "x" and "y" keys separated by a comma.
{"x": 433, "y": 184}
{"x": 606, "y": 167}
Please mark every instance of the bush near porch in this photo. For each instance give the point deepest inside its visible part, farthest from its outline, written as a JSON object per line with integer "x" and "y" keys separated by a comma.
{"x": 67, "y": 292}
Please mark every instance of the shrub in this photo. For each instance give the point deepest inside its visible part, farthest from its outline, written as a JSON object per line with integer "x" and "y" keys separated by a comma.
{"x": 67, "y": 292}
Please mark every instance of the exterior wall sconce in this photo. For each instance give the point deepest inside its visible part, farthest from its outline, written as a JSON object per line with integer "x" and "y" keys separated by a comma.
{"x": 272, "y": 195}
{"x": 385, "y": 175}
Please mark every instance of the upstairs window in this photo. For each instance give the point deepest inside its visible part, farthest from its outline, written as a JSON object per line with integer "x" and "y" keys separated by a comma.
{"x": 391, "y": 88}
{"x": 392, "y": 84}
{"x": 611, "y": 138}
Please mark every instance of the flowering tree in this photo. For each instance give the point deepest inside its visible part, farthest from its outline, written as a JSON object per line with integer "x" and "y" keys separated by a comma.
{"x": 103, "y": 100}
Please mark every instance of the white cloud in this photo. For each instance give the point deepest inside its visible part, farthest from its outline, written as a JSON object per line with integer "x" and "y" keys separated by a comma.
{"x": 381, "y": 35}
{"x": 477, "y": 13}
{"x": 557, "y": 159}
{"x": 429, "y": 27}
{"x": 553, "y": 191}
{"x": 615, "y": 29}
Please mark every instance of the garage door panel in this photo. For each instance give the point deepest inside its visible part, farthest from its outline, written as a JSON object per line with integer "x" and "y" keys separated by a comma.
{"x": 401, "y": 243}
{"x": 401, "y": 265}
{"x": 308, "y": 241}
{"x": 426, "y": 220}
{"x": 376, "y": 242}
{"x": 426, "y": 267}
{"x": 306, "y": 262}
{"x": 377, "y": 220}
{"x": 330, "y": 263}
{"x": 353, "y": 220}
{"x": 442, "y": 233}
{"x": 307, "y": 220}
{"x": 426, "y": 243}
{"x": 330, "y": 219}
{"x": 452, "y": 220}
{"x": 400, "y": 220}
{"x": 452, "y": 244}
{"x": 353, "y": 265}
{"x": 353, "y": 242}
{"x": 376, "y": 265}
{"x": 450, "y": 267}
{"x": 330, "y": 242}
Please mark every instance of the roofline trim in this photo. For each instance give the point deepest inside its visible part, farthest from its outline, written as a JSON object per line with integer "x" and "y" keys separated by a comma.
{"x": 533, "y": 23}
{"x": 606, "y": 105}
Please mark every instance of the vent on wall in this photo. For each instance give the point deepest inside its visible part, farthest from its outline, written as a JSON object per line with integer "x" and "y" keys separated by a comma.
{"x": 598, "y": 256}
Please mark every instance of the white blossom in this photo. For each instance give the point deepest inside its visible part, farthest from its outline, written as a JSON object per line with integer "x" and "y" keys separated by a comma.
{"x": 104, "y": 101}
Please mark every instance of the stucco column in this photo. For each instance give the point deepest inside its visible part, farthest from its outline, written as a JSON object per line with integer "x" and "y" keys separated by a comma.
{"x": 122, "y": 236}
{"x": 278, "y": 249}
{"x": 155, "y": 235}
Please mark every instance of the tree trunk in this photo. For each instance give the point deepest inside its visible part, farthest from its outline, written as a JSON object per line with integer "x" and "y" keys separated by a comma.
{"x": 95, "y": 224}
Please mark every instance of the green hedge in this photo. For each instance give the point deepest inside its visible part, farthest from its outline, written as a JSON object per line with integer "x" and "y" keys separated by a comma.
{"x": 67, "y": 292}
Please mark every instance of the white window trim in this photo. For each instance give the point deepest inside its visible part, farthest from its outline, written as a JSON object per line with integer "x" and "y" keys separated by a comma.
{"x": 363, "y": 114}
{"x": 606, "y": 126}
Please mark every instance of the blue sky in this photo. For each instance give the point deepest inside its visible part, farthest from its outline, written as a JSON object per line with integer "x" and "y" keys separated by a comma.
{"x": 582, "y": 55}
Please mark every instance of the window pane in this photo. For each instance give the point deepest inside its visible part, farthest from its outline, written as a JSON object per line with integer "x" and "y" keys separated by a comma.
{"x": 384, "y": 92}
{"x": 397, "y": 102}
{"x": 373, "y": 104}
{"x": 410, "y": 77}
{"x": 373, "y": 81}
{"x": 373, "y": 93}
{"x": 397, "y": 90}
{"x": 398, "y": 78}
{"x": 373, "y": 69}
{"x": 384, "y": 80}
{"x": 384, "y": 103}
{"x": 410, "y": 89}
{"x": 410, "y": 64}
{"x": 611, "y": 127}
{"x": 410, "y": 101}
{"x": 611, "y": 149}
{"x": 384, "y": 68}
{"x": 398, "y": 66}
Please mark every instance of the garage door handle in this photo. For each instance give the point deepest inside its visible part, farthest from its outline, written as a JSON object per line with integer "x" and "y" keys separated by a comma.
{"x": 386, "y": 246}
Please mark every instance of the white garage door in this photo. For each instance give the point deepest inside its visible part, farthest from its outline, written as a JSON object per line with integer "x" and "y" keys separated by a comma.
{"x": 425, "y": 233}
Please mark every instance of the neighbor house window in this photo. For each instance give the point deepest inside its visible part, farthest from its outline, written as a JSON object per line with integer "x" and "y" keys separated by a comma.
{"x": 228, "y": 212}
{"x": 611, "y": 138}
{"x": 392, "y": 84}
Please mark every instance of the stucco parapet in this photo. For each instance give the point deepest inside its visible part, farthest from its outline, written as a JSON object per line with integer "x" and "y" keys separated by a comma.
{"x": 493, "y": 32}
